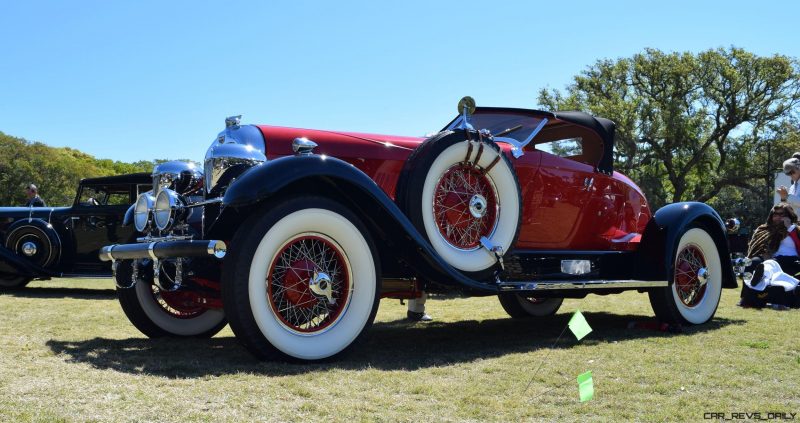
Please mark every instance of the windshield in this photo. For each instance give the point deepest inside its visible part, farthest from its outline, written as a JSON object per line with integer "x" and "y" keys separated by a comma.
{"x": 503, "y": 124}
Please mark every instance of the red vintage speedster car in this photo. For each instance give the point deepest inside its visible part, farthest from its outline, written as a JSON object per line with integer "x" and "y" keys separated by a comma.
{"x": 294, "y": 235}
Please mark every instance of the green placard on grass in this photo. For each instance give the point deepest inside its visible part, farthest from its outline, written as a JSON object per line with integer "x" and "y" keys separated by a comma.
{"x": 579, "y": 326}
{"x": 585, "y": 386}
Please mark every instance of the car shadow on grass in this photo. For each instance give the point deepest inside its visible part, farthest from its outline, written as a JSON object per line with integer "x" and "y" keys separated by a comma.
{"x": 394, "y": 345}
{"x": 60, "y": 292}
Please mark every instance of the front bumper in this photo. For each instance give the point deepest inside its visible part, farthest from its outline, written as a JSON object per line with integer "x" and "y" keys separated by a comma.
{"x": 163, "y": 250}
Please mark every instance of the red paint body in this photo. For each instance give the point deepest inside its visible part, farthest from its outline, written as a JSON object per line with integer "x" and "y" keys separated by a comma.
{"x": 559, "y": 212}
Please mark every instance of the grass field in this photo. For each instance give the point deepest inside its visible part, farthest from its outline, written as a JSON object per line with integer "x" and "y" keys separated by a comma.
{"x": 67, "y": 353}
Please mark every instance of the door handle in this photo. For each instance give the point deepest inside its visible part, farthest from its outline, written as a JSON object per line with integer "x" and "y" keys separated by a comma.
{"x": 587, "y": 183}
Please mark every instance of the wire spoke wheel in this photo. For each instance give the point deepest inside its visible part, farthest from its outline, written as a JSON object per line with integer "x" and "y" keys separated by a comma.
{"x": 690, "y": 263}
{"x": 693, "y": 295}
{"x": 292, "y": 274}
{"x": 458, "y": 189}
{"x": 178, "y": 304}
{"x": 465, "y": 206}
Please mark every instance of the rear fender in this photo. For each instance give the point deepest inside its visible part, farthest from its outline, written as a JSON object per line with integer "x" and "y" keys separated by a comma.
{"x": 663, "y": 232}
{"x": 276, "y": 180}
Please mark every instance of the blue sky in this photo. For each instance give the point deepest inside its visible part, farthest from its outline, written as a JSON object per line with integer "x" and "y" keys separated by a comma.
{"x": 145, "y": 79}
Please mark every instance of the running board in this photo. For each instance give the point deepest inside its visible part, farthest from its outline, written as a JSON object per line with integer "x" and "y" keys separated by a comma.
{"x": 578, "y": 284}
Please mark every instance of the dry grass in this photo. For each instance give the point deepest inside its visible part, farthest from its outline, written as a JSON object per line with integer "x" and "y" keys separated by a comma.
{"x": 67, "y": 353}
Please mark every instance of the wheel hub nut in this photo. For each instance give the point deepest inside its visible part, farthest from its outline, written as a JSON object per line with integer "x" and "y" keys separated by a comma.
{"x": 320, "y": 285}
{"x": 477, "y": 206}
{"x": 702, "y": 276}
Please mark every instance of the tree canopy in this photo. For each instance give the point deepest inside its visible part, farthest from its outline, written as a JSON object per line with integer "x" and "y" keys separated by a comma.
{"x": 56, "y": 171}
{"x": 692, "y": 126}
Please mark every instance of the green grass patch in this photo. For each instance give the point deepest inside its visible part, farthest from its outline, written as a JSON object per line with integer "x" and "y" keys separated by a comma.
{"x": 68, "y": 353}
{"x": 760, "y": 345}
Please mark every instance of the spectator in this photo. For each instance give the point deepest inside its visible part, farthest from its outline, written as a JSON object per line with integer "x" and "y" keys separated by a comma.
{"x": 416, "y": 309}
{"x": 773, "y": 250}
{"x": 791, "y": 195}
{"x": 33, "y": 197}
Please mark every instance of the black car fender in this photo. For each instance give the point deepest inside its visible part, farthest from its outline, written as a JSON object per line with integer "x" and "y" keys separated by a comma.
{"x": 663, "y": 232}
{"x": 13, "y": 263}
{"x": 334, "y": 178}
{"x": 128, "y": 219}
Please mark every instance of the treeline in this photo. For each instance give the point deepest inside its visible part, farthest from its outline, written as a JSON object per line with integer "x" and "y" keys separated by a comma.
{"x": 712, "y": 126}
{"x": 56, "y": 171}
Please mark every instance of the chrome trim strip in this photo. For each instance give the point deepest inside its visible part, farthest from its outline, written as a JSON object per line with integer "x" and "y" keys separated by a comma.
{"x": 517, "y": 146}
{"x": 164, "y": 238}
{"x": 150, "y": 251}
{"x": 109, "y": 251}
{"x": 578, "y": 284}
{"x": 205, "y": 202}
{"x": 626, "y": 238}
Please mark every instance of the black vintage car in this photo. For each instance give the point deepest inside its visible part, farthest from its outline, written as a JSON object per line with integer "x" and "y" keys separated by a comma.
{"x": 46, "y": 242}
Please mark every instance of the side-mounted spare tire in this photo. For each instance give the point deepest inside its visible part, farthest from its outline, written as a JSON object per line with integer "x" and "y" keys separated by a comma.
{"x": 458, "y": 188}
{"x": 35, "y": 241}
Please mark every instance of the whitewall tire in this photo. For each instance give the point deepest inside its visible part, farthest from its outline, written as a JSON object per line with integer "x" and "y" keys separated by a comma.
{"x": 157, "y": 314}
{"x": 693, "y": 295}
{"x": 457, "y": 191}
{"x": 304, "y": 281}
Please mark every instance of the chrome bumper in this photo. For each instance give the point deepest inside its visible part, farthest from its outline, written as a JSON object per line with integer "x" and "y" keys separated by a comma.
{"x": 163, "y": 250}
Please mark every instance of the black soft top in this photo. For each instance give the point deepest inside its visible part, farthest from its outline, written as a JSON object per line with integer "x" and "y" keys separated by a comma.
{"x": 604, "y": 128}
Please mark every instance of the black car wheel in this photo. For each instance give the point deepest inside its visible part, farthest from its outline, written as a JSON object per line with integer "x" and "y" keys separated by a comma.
{"x": 519, "y": 306}
{"x": 458, "y": 189}
{"x": 302, "y": 280}
{"x": 13, "y": 282}
{"x": 158, "y": 313}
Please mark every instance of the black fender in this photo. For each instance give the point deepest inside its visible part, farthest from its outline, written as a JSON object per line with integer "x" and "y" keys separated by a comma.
{"x": 12, "y": 264}
{"x": 128, "y": 219}
{"x": 343, "y": 182}
{"x": 663, "y": 232}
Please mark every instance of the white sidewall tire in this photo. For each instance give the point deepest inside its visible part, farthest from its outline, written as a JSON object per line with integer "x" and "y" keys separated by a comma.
{"x": 705, "y": 309}
{"x": 547, "y": 306}
{"x": 505, "y": 184}
{"x": 353, "y": 319}
{"x": 193, "y": 326}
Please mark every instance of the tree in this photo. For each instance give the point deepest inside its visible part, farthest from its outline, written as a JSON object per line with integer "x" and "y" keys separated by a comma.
{"x": 56, "y": 171}
{"x": 690, "y": 125}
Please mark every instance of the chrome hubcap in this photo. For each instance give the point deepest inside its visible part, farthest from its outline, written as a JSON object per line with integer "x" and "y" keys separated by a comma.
{"x": 320, "y": 284}
{"x": 702, "y": 275}
{"x": 477, "y": 206}
{"x": 29, "y": 249}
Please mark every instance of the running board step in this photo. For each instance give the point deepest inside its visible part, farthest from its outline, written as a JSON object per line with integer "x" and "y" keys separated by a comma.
{"x": 578, "y": 284}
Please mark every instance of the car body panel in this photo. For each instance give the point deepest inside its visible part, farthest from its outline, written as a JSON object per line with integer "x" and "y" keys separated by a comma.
{"x": 82, "y": 229}
{"x": 559, "y": 210}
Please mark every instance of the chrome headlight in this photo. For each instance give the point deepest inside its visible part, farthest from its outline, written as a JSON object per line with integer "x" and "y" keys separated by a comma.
{"x": 167, "y": 203}
{"x": 141, "y": 212}
{"x": 183, "y": 177}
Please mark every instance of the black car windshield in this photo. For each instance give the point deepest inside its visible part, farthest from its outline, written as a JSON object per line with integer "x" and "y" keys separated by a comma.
{"x": 502, "y": 124}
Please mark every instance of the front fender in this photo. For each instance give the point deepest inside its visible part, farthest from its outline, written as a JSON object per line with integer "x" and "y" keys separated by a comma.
{"x": 663, "y": 232}
{"x": 12, "y": 264}
{"x": 343, "y": 182}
